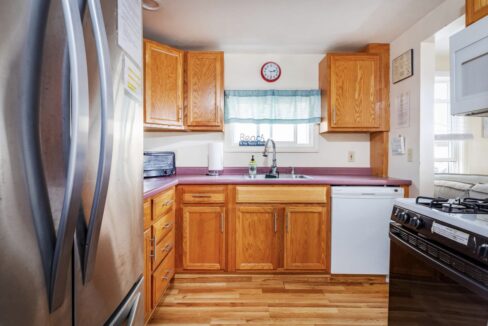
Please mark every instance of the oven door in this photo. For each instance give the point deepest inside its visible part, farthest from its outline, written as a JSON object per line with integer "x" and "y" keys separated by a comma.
{"x": 431, "y": 286}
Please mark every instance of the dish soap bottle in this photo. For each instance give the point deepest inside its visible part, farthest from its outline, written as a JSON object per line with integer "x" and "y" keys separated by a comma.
{"x": 253, "y": 167}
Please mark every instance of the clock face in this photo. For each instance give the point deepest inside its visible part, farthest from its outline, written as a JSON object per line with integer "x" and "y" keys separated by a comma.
{"x": 270, "y": 71}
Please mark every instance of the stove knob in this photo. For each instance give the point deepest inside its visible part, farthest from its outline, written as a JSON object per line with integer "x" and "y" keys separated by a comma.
{"x": 417, "y": 223}
{"x": 483, "y": 251}
{"x": 404, "y": 217}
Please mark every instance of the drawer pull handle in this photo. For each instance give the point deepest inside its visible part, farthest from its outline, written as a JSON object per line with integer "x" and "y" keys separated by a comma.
{"x": 166, "y": 276}
{"x": 167, "y": 203}
{"x": 167, "y": 225}
{"x": 167, "y": 248}
{"x": 201, "y": 196}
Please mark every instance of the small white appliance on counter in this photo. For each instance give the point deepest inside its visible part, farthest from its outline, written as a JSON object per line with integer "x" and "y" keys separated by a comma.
{"x": 360, "y": 222}
{"x": 469, "y": 70}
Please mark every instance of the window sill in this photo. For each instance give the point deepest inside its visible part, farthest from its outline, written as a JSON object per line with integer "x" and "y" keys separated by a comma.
{"x": 258, "y": 149}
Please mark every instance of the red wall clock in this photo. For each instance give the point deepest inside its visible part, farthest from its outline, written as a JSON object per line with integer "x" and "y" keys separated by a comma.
{"x": 271, "y": 71}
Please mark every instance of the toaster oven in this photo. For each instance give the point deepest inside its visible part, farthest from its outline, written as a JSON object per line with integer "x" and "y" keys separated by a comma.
{"x": 159, "y": 164}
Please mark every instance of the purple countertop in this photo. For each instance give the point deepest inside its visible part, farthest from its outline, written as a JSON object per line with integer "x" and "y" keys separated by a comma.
{"x": 320, "y": 176}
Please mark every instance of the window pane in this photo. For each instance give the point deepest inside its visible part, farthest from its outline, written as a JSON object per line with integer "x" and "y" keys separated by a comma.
{"x": 285, "y": 133}
{"x": 441, "y": 91}
{"x": 441, "y": 118}
{"x": 265, "y": 131}
{"x": 441, "y": 167}
{"x": 441, "y": 151}
{"x": 303, "y": 134}
{"x": 242, "y": 130}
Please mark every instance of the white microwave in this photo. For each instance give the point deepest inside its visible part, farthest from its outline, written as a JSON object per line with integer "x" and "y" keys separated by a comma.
{"x": 469, "y": 70}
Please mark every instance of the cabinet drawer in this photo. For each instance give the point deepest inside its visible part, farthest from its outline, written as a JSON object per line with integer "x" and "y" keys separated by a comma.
{"x": 203, "y": 194}
{"x": 163, "y": 203}
{"x": 162, "y": 276}
{"x": 163, "y": 248}
{"x": 281, "y": 194}
{"x": 147, "y": 213}
{"x": 164, "y": 226}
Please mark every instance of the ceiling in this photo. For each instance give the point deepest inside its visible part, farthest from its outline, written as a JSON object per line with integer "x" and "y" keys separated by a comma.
{"x": 282, "y": 26}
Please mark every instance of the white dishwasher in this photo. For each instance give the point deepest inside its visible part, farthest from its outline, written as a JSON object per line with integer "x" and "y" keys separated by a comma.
{"x": 360, "y": 222}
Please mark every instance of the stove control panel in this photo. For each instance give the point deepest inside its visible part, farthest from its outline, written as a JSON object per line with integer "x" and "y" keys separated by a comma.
{"x": 473, "y": 245}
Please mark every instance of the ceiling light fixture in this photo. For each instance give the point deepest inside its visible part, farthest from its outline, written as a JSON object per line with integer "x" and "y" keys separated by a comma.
{"x": 151, "y": 5}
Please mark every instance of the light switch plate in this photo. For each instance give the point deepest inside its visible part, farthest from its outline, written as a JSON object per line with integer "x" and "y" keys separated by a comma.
{"x": 410, "y": 155}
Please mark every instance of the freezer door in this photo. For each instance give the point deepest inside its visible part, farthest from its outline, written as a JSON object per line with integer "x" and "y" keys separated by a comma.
{"x": 114, "y": 264}
{"x": 36, "y": 189}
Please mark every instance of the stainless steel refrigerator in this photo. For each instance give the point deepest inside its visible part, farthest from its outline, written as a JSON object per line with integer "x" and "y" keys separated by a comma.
{"x": 71, "y": 234}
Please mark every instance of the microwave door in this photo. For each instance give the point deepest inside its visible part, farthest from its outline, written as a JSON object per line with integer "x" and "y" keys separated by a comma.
{"x": 469, "y": 70}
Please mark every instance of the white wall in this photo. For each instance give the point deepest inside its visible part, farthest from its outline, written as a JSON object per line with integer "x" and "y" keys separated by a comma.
{"x": 242, "y": 71}
{"x": 400, "y": 166}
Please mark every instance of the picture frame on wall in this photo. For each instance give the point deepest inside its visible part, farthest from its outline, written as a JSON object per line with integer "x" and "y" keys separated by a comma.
{"x": 402, "y": 66}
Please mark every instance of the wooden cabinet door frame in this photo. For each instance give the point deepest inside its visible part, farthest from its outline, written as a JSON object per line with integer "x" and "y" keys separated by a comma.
{"x": 266, "y": 222}
{"x": 200, "y": 83}
{"x": 150, "y": 68}
{"x": 344, "y": 116}
{"x": 148, "y": 250}
{"x": 187, "y": 237}
{"x": 294, "y": 215}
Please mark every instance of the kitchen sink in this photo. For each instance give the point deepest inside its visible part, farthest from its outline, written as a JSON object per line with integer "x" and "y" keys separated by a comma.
{"x": 281, "y": 177}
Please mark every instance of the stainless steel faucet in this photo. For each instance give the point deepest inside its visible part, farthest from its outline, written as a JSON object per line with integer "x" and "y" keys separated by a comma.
{"x": 274, "y": 168}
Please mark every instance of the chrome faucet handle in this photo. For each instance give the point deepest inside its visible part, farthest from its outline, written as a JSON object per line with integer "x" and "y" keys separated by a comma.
{"x": 292, "y": 170}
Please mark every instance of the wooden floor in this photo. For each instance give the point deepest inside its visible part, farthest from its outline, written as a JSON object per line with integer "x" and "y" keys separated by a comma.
{"x": 273, "y": 299}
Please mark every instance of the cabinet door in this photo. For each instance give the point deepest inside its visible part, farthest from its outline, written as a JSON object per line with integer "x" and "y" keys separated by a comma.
{"x": 204, "y": 90}
{"x": 353, "y": 92}
{"x": 203, "y": 238}
{"x": 305, "y": 237}
{"x": 163, "y": 89}
{"x": 147, "y": 273}
{"x": 257, "y": 233}
{"x": 475, "y": 10}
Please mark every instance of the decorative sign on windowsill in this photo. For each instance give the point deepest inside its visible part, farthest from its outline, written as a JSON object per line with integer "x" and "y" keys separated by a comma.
{"x": 402, "y": 66}
{"x": 246, "y": 140}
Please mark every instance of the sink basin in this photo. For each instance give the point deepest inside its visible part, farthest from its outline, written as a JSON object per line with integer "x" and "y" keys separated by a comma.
{"x": 281, "y": 177}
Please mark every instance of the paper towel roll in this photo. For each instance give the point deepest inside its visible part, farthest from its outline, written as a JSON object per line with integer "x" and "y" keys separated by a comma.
{"x": 215, "y": 156}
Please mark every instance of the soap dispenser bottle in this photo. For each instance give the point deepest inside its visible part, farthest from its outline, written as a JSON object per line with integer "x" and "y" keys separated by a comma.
{"x": 253, "y": 167}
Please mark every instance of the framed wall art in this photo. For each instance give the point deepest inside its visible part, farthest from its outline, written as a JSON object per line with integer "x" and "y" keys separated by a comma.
{"x": 402, "y": 66}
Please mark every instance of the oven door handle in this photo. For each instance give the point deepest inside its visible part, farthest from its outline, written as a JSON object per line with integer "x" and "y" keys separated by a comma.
{"x": 455, "y": 275}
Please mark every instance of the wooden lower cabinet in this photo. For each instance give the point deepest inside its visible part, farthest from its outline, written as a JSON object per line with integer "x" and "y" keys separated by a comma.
{"x": 258, "y": 231}
{"x": 203, "y": 237}
{"x": 159, "y": 248}
{"x": 305, "y": 237}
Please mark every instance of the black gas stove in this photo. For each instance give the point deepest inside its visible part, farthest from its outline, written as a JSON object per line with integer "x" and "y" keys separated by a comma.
{"x": 439, "y": 259}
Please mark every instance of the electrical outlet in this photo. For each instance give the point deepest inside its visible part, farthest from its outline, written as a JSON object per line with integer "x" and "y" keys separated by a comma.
{"x": 410, "y": 155}
{"x": 351, "y": 156}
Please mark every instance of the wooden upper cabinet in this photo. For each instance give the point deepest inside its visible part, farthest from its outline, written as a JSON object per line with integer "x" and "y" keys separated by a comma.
{"x": 351, "y": 86}
{"x": 258, "y": 230}
{"x": 475, "y": 10}
{"x": 203, "y": 244}
{"x": 305, "y": 237}
{"x": 204, "y": 90}
{"x": 163, "y": 86}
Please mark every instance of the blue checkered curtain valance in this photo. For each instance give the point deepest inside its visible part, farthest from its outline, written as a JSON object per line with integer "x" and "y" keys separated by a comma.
{"x": 272, "y": 106}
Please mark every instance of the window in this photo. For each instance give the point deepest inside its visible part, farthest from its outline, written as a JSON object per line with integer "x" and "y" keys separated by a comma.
{"x": 288, "y": 137}
{"x": 449, "y": 131}
{"x": 289, "y": 117}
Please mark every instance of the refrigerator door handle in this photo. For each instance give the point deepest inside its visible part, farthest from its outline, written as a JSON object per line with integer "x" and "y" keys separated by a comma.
{"x": 106, "y": 139}
{"x": 126, "y": 313}
{"x": 77, "y": 154}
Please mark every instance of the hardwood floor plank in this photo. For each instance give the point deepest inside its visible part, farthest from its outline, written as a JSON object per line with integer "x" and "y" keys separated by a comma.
{"x": 229, "y": 299}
